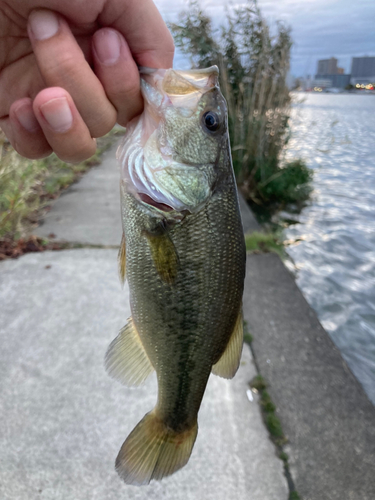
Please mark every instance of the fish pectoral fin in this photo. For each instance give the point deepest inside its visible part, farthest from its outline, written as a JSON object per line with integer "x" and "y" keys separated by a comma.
{"x": 229, "y": 362}
{"x": 121, "y": 259}
{"x": 164, "y": 256}
{"x": 126, "y": 359}
{"x": 153, "y": 450}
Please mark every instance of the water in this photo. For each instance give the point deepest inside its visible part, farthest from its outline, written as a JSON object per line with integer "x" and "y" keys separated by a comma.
{"x": 335, "y": 258}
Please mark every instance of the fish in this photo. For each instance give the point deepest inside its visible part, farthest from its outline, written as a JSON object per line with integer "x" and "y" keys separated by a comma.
{"x": 183, "y": 255}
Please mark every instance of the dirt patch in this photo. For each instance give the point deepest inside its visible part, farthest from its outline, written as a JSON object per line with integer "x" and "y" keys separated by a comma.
{"x": 10, "y": 249}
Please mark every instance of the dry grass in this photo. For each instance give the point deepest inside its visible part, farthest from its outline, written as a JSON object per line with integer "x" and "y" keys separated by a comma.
{"x": 27, "y": 186}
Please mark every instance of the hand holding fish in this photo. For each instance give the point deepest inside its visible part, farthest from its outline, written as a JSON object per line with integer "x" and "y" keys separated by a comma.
{"x": 68, "y": 70}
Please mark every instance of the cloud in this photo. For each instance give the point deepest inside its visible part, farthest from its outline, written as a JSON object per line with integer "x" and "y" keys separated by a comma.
{"x": 320, "y": 28}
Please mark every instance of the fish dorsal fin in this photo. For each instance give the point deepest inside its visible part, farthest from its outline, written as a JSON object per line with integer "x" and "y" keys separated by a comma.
{"x": 121, "y": 259}
{"x": 229, "y": 362}
{"x": 164, "y": 256}
{"x": 126, "y": 359}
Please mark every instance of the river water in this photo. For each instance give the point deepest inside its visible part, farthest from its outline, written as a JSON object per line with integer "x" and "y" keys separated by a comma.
{"x": 335, "y": 249}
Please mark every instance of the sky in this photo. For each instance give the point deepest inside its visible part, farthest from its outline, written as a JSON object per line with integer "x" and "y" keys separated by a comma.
{"x": 320, "y": 28}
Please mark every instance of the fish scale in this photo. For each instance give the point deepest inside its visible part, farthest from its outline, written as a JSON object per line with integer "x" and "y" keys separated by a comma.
{"x": 185, "y": 269}
{"x": 179, "y": 319}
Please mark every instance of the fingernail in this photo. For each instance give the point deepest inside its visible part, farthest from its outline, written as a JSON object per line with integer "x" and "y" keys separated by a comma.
{"x": 107, "y": 45}
{"x": 57, "y": 114}
{"x": 43, "y": 24}
{"x": 25, "y": 115}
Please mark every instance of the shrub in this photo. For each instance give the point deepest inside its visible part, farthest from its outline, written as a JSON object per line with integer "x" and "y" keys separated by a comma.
{"x": 253, "y": 69}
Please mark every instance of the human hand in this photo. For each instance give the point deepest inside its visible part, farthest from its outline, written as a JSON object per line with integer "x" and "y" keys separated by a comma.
{"x": 69, "y": 73}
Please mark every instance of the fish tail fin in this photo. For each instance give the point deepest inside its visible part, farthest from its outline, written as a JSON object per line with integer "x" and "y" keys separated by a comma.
{"x": 153, "y": 451}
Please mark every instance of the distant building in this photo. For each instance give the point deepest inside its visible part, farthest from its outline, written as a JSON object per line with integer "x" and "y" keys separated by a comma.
{"x": 330, "y": 75}
{"x": 338, "y": 81}
{"x": 363, "y": 70}
{"x": 321, "y": 82}
{"x": 327, "y": 67}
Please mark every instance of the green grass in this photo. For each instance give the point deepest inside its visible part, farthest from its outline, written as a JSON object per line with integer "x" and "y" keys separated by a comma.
{"x": 55, "y": 182}
{"x": 290, "y": 183}
{"x": 19, "y": 180}
{"x": 269, "y": 411}
{"x": 247, "y": 337}
{"x": 263, "y": 243}
{"x": 266, "y": 402}
{"x": 284, "y": 456}
{"x": 27, "y": 186}
{"x": 294, "y": 496}
{"x": 273, "y": 425}
{"x": 258, "y": 383}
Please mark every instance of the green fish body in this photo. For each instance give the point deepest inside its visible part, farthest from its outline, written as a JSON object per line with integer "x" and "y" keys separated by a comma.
{"x": 183, "y": 255}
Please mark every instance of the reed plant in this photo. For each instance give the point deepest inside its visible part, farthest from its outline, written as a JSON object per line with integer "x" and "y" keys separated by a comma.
{"x": 254, "y": 65}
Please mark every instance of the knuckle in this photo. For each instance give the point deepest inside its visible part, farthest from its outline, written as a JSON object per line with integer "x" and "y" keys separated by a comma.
{"x": 32, "y": 152}
{"x": 124, "y": 82}
{"x": 127, "y": 113}
{"x": 102, "y": 127}
{"x": 77, "y": 155}
{"x": 63, "y": 67}
{"x": 126, "y": 98}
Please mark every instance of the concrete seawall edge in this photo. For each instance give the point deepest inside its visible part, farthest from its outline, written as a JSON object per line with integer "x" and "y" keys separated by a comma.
{"x": 324, "y": 411}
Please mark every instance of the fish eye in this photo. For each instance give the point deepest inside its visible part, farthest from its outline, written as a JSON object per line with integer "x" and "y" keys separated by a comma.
{"x": 211, "y": 121}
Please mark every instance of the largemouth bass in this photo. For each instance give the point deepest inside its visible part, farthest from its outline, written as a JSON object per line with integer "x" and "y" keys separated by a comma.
{"x": 183, "y": 255}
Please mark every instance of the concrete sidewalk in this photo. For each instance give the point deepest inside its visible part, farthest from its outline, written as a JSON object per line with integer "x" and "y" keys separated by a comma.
{"x": 63, "y": 419}
{"x": 89, "y": 211}
{"x": 324, "y": 411}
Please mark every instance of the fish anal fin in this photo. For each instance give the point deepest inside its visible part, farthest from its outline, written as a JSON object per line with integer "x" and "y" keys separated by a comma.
{"x": 126, "y": 359}
{"x": 229, "y": 362}
{"x": 153, "y": 451}
{"x": 121, "y": 259}
{"x": 164, "y": 256}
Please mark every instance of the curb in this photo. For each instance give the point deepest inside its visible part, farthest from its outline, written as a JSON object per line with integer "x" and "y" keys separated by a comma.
{"x": 325, "y": 413}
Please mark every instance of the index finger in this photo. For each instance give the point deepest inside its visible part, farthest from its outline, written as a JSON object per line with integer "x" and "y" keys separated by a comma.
{"x": 146, "y": 33}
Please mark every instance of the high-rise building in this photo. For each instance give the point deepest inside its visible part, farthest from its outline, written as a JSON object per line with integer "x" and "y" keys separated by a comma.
{"x": 330, "y": 75}
{"x": 363, "y": 69}
{"x": 327, "y": 67}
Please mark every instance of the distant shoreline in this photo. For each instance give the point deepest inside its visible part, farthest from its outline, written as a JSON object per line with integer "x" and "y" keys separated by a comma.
{"x": 345, "y": 92}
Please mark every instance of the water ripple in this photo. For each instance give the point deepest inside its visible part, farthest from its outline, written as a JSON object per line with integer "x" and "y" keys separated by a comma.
{"x": 335, "y": 134}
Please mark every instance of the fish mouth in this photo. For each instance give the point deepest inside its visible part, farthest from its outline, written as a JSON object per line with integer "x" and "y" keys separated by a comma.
{"x": 150, "y": 201}
{"x": 152, "y": 171}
